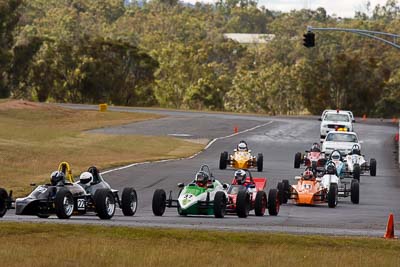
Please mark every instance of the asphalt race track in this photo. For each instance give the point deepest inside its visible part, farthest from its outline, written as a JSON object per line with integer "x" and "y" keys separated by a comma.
{"x": 278, "y": 138}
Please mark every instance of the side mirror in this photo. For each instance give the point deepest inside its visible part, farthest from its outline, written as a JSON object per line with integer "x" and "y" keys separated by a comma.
{"x": 181, "y": 185}
{"x": 318, "y": 179}
{"x": 361, "y": 142}
{"x": 249, "y": 150}
{"x": 319, "y": 119}
{"x": 33, "y": 184}
{"x": 354, "y": 121}
{"x": 252, "y": 186}
{"x": 210, "y": 186}
{"x": 225, "y": 186}
{"x": 297, "y": 177}
{"x": 235, "y": 150}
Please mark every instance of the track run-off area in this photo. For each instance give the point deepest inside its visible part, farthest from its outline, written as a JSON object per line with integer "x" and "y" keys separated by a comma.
{"x": 278, "y": 138}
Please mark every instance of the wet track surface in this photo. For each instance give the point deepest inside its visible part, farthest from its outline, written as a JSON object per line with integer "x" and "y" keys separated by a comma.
{"x": 278, "y": 139}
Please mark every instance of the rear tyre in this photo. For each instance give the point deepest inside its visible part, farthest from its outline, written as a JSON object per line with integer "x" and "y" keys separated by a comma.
{"x": 260, "y": 204}
{"x": 357, "y": 172}
{"x": 129, "y": 201}
{"x": 372, "y": 167}
{"x": 219, "y": 204}
{"x": 273, "y": 202}
{"x": 159, "y": 202}
{"x": 3, "y": 200}
{"x": 355, "y": 191}
{"x": 281, "y": 192}
{"x": 223, "y": 160}
{"x": 260, "y": 162}
{"x": 333, "y": 195}
{"x": 104, "y": 202}
{"x": 297, "y": 160}
{"x": 64, "y": 204}
{"x": 243, "y": 204}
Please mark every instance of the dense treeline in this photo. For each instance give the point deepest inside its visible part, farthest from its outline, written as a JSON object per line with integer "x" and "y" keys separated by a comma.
{"x": 164, "y": 53}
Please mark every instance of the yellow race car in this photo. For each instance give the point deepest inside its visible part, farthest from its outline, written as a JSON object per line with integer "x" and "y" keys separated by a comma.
{"x": 241, "y": 159}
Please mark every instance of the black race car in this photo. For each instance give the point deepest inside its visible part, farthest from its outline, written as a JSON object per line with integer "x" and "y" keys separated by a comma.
{"x": 5, "y": 201}
{"x": 64, "y": 197}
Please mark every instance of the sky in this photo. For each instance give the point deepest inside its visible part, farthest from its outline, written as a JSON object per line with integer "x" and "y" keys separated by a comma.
{"x": 342, "y": 8}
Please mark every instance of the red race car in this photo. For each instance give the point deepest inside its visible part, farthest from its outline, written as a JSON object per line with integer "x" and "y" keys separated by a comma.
{"x": 314, "y": 158}
{"x": 247, "y": 193}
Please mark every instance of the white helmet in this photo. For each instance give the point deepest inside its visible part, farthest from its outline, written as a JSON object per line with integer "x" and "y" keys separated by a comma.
{"x": 86, "y": 178}
{"x": 240, "y": 176}
{"x": 242, "y": 146}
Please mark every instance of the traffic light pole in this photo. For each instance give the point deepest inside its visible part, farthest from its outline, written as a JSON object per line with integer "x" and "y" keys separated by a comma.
{"x": 370, "y": 34}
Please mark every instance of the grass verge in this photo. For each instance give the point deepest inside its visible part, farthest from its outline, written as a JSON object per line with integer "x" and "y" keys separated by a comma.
{"x": 34, "y": 138}
{"x": 23, "y": 244}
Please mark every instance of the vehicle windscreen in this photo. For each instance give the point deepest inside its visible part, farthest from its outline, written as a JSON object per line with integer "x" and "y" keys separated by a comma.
{"x": 342, "y": 137}
{"x": 337, "y": 117}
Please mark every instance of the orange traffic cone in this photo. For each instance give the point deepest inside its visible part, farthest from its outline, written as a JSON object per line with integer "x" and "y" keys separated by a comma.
{"x": 235, "y": 129}
{"x": 390, "y": 228}
{"x": 364, "y": 117}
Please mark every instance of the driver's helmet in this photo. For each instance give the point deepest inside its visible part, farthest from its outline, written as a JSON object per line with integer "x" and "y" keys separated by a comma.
{"x": 331, "y": 168}
{"x": 201, "y": 178}
{"x": 308, "y": 175}
{"x": 355, "y": 150}
{"x": 240, "y": 176}
{"x": 315, "y": 148}
{"x": 242, "y": 146}
{"x": 336, "y": 155}
{"x": 56, "y": 177}
{"x": 86, "y": 178}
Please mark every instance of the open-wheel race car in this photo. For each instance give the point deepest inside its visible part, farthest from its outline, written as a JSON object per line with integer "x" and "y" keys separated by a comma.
{"x": 6, "y": 201}
{"x": 247, "y": 193}
{"x": 203, "y": 196}
{"x": 313, "y": 158}
{"x": 241, "y": 159}
{"x": 312, "y": 190}
{"x": 357, "y": 165}
{"x": 65, "y": 197}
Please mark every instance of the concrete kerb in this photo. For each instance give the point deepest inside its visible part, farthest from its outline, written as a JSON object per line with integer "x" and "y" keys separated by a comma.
{"x": 192, "y": 156}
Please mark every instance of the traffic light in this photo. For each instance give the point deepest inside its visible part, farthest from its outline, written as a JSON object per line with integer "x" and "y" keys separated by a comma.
{"x": 309, "y": 39}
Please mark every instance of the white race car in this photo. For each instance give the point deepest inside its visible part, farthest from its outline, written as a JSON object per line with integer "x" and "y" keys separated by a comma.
{"x": 357, "y": 165}
{"x": 334, "y": 120}
{"x": 339, "y": 140}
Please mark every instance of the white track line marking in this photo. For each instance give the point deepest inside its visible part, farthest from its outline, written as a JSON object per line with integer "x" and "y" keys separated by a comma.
{"x": 193, "y": 156}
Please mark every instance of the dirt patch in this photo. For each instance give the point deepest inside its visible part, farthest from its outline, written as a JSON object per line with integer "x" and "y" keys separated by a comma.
{"x": 23, "y": 104}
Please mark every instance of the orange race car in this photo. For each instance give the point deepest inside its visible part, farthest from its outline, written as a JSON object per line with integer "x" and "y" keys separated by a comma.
{"x": 241, "y": 159}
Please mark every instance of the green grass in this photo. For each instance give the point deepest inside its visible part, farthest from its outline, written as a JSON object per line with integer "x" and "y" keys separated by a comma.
{"x": 34, "y": 140}
{"x": 23, "y": 244}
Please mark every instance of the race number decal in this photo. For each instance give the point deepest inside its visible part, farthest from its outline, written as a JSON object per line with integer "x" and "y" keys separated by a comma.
{"x": 187, "y": 198}
{"x": 307, "y": 186}
{"x": 81, "y": 205}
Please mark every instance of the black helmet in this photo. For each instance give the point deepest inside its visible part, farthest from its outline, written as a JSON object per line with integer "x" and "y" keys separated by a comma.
{"x": 355, "y": 150}
{"x": 331, "y": 168}
{"x": 315, "y": 148}
{"x": 240, "y": 176}
{"x": 56, "y": 177}
{"x": 202, "y": 177}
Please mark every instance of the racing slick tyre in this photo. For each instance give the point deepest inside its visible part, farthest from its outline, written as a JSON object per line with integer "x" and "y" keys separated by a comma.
{"x": 355, "y": 191}
{"x": 104, "y": 202}
{"x": 129, "y": 201}
{"x": 3, "y": 200}
{"x": 243, "y": 204}
{"x": 273, "y": 202}
{"x": 260, "y": 203}
{"x": 223, "y": 160}
{"x": 159, "y": 201}
{"x": 260, "y": 162}
{"x": 297, "y": 160}
{"x": 64, "y": 204}
{"x": 372, "y": 167}
{"x": 219, "y": 204}
{"x": 281, "y": 192}
{"x": 357, "y": 172}
{"x": 332, "y": 195}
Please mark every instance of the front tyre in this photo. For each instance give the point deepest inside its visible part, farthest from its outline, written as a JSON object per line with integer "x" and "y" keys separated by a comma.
{"x": 297, "y": 160}
{"x": 273, "y": 202}
{"x": 355, "y": 191}
{"x": 243, "y": 204}
{"x": 159, "y": 202}
{"x": 3, "y": 202}
{"x": 260, "y": 204}
{"x": 129, "y": 201}
{"x": 357, "y": 172}
{"x": 372, "y": 167}
{"x": 64, "y": 204}
{"x": 260, "y": 162}
{"x": 104, "y": 201}
{"x": 223, "y": 160}
{"x": 219, "y": 204}
{"x": 333, "y": 195}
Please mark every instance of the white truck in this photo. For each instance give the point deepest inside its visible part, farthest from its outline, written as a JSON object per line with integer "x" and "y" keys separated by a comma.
{"x": 335, "y": 120}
